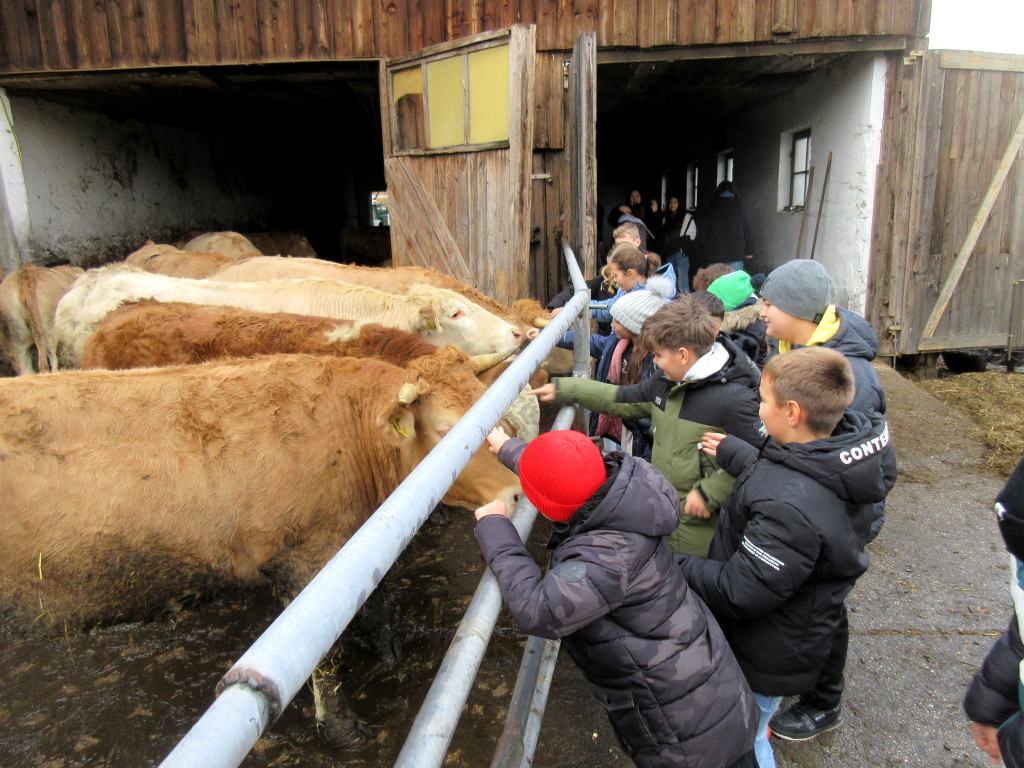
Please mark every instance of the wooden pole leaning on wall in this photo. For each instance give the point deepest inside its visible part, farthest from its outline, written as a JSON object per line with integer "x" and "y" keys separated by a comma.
{"x": 803, "y": 216}
{"x": 821, "y": 204}
{"x": 979, "y": 224}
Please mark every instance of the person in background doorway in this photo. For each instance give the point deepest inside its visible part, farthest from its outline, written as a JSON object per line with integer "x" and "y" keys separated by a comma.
{"x": 677, "y": 231}
{"x": 645, "y": 217}
{"x": 723, "y": 230}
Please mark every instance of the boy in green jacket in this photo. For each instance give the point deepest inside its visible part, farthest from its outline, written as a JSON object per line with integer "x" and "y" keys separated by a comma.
{"x": 704, "y": 385}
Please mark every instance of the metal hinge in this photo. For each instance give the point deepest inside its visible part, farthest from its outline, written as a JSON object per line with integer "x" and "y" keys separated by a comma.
{"x": 541, "y": 177}
{"x": 566, "y": 67}
{"x": 913, "y": 56}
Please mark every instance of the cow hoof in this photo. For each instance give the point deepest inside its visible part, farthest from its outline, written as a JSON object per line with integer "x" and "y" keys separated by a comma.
{"x": 343, "y": 732}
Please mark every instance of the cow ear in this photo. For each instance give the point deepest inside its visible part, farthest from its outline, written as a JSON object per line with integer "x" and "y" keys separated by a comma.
{"x": 428, "y": 317}
{"x": 401, "y": 417}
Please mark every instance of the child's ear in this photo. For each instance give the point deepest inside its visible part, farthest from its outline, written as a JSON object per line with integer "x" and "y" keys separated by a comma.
{"x": 794, "y": 413}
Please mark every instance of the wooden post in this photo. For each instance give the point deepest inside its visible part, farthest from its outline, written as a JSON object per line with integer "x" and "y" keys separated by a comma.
{"x": 803, "y": 217}
{"x": 821, "y": 204}
{"x": 979, "y": 224}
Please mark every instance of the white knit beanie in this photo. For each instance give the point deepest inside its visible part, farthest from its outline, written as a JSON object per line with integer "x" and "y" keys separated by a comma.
{"x": 633, "y": 308}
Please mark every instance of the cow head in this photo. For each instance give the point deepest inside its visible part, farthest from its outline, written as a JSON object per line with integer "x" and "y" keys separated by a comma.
{"x": 436, "y": 393}
{"x": 447, "y": 317}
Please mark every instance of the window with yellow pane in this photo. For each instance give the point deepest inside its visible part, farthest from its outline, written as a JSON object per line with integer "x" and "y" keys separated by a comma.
{"x": 452, "y": 102}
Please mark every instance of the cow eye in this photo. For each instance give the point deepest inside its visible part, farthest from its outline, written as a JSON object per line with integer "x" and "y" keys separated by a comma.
{"x": 457, "y": 314}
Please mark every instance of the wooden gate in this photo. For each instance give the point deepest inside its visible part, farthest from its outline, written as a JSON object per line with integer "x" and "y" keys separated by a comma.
{"x": 458, "y": 134}
{"x": 948, "y": 253}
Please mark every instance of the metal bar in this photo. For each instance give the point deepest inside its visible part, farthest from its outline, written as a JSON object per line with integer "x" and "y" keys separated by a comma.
{"x": 434, "y": 726}
{"x": 280, "y": 661}
{"x": 980, "y": 219}
{"x": 540, "y": 699}
{"x": 581, "y": 330}
{"x": 1012, "y": 325}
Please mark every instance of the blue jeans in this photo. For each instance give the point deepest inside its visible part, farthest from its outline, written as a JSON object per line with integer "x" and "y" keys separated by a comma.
{"x": 681, "y": 264}
{"x": 769, "y": 706}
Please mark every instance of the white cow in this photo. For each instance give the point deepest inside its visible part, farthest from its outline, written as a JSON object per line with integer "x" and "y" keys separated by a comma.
{"x": 437, "y": 315}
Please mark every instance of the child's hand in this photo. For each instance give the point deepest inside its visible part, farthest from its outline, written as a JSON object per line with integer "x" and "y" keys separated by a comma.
{"x": 496, "y": 438}
{"x": 709, "y": 442}
{"x": 532, "y": 333}
{"x": 695, "y": 506}
{"x": 556, "y": 310}
{"x": 545, "y": 394}
{"x": 985, "y": 738}
{"x": 494, "y": 508}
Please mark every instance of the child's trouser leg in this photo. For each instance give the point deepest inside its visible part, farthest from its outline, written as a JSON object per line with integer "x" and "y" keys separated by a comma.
{"x": 828, "y": 688}
{"x": 768, "y": 705}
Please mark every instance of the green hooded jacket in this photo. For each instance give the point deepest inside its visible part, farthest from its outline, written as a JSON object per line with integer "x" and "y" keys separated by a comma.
{"x": 681, "y": 412}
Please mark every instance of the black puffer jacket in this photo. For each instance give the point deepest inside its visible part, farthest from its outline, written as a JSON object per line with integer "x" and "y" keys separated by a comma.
{"x": 857, "y": 341}
{"x": 657, "y": 660}
{"x": 994, "y": 696}
{"x": 790, "y": 545}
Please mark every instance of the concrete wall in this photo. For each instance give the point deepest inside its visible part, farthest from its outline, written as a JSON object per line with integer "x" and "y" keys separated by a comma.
{"x": 86, "y": 188}
{"x": 843, "y": 107}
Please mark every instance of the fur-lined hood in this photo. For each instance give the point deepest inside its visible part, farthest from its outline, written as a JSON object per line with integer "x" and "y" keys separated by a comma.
{"x": 742, "y": 316}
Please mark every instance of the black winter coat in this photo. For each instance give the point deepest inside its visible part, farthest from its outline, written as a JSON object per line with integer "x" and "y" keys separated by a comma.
{"x": 789, "y": 546}
{"x": 857, "y": 341}
{"x": 994, "y": 696}
{"x": 654, "y": 655}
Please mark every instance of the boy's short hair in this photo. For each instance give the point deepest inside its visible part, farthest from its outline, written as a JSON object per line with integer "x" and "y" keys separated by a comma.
{"x": 707, "y": 275}
{"x": 820, "y": 380}
{"x": 684, "y": 322}
{"x": 626, "y": 230}
{"x": 710, "y": 302}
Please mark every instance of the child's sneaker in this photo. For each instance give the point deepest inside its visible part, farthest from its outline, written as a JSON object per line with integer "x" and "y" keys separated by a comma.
{"x": 802, "y": 722}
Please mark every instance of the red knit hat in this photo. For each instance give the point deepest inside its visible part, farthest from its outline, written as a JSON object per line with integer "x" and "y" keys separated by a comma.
{"x": 559, "y": 471}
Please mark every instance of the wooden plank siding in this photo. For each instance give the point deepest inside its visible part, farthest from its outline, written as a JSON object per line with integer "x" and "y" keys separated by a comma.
{"x": 949, "y": 122}
{"x": 86, "y": 35}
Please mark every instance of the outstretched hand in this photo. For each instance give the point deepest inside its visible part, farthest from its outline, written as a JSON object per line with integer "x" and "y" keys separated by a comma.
{"x": 494, "y": 508}
{"x": 496, "y": 438}
{"x": 546, "y": 393}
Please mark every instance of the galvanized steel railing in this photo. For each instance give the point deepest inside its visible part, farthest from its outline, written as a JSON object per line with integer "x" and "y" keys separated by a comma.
{"x": 269, "y": 674}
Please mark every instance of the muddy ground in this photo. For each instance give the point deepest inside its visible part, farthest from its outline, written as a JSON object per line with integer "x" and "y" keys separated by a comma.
{"x": 922, "y": 619}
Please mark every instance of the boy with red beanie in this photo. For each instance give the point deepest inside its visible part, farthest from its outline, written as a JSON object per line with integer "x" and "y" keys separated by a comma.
{"x": 657, "y": 660}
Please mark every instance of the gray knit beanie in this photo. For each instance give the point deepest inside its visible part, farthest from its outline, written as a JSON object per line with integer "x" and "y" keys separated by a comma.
{"x": 800, "y": 288}
{"x": 633, "y": 308}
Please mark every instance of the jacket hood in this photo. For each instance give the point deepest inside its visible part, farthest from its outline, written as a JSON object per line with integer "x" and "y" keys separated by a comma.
{"x": 740, "y": 369}
{"x": 855, "y": 337}
{"x": 743, "y": 315}
{"x": 856, "y": 462}
{"x": 639, "y": 500}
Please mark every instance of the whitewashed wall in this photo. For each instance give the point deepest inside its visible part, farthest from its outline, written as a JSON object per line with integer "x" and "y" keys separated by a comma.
{"x": 843, "y": 107}
{"x": 86, "y": 188}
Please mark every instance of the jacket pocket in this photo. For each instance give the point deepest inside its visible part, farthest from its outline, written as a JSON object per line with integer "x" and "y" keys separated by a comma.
{"x": 631, "y": 727}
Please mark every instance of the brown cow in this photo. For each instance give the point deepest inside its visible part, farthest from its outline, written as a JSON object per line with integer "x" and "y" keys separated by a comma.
{"x": 126, "y": 491}
{"x": 153, "y": 334}
{"x": 228, "y": 243}
{"x": 168, "y": 260}
{"x": 28, "y": 300}
{"x": 282, "y": 243}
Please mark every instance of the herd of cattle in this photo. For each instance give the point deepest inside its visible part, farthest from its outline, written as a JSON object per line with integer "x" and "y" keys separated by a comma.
{"x": 235, "y": 418}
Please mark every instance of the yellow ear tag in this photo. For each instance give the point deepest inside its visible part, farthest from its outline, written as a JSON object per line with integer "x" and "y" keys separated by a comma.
{"x": 431, "y": 326}
{"x": 399, "y": 430}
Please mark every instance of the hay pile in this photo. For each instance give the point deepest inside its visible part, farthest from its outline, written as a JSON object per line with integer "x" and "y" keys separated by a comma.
{"x": 994, "y": 401}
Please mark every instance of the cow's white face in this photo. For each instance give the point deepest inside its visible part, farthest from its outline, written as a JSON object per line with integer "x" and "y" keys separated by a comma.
{"x": 458, "y": 321}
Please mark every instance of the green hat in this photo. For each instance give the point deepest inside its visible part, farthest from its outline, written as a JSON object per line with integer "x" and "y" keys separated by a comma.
{"x": 733, "y": 289}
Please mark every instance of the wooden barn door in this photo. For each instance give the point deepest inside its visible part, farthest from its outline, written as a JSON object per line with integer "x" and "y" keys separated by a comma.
{"x": 949, "y": 216}
{"x": 457, "y": 124}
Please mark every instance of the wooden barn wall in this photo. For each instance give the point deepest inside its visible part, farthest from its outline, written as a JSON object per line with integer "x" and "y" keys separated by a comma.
{"x": 950, "y": 120}
{"x": 46, "y": 35}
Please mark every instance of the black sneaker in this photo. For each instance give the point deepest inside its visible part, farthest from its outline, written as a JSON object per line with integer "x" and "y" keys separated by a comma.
{"x": 802, "y": 722}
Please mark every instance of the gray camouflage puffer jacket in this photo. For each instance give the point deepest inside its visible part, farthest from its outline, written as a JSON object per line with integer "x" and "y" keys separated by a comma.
{"x": 657, "y": 660}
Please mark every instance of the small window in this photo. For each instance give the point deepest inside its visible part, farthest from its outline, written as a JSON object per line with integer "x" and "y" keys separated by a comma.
{"x": 379, "y": 216}
{"x": 800, "y": 155}
{"x": 452, "y": 101}
{"x": 725, "y": 166}
{"x": 692, "y": 183}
